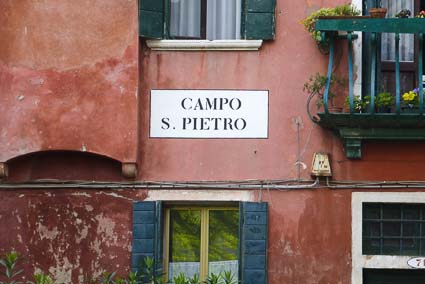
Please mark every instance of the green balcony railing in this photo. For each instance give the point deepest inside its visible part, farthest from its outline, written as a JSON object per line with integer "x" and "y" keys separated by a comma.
{"x": 352, "y": 126}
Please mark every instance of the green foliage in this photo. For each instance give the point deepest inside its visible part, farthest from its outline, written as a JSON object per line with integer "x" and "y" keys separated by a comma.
{"x": 185, "y": 235}
{"x": 343, "y": 10}
{"x": 315, "y": 86}
{"x": 41, "y": 278}
{"x": 180, "y": 279}
{"x": 383, "y": 100}
{"x": 214, "y": 279}
{"x": 195, "y": 279}
{"x": 223, "y": 235}
{"x": 228, "y": 277}
{"x": 8, "y": 265}
{"x": 358, "y": 104}
{"x": 107, "y": 278}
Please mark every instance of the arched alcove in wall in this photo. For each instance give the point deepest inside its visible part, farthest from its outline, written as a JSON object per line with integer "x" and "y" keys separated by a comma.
{"x": 63, "y": 165}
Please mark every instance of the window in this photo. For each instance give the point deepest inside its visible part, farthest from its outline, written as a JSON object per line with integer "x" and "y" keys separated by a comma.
{"x": 393, "y": 229}
{"x": 201, "y": 240}
{"x": 408, "y": 51}
{"x": 207, "y": 19}
{"x": 387, "y": 230}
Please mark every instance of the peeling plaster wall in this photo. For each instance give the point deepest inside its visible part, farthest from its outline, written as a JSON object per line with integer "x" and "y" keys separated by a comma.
{"x": 85, "y": 232}
{"x": 69, "y": 234}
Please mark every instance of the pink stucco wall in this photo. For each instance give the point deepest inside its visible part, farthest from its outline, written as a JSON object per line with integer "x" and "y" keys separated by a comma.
{"x": 69, "y": 77}
{"x": 72, "y": 77}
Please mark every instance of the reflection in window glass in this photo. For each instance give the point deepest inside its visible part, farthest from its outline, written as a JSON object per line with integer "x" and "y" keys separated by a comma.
{"x": 223, "y": 241}
{"x": 185, "y": 242}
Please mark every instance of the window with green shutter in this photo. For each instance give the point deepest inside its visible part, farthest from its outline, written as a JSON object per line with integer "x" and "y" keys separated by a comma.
{"x": 207, "y": 19}
{"x": 202, "y": 240}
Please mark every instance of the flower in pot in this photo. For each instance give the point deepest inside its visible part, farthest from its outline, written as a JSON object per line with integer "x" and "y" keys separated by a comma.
{"x": 315, "y": 86}
{"x": 338, "y": 11}
{"x": 421, "y": 14}
{"x": 359, "y": 105}
{"x": 410, "y": 100}
{"x": 384, "y": 101}
{"x": 403, "y": 13}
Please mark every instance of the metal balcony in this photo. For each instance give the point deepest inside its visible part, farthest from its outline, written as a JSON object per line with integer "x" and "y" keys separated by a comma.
{"x": 353, "y": 127}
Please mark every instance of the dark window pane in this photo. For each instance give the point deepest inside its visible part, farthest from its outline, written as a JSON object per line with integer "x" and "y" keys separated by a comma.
{"x": 371, "y": 211}
{"x": 391, "y": 229}
{"x": 371, "y": 246}
{"x": 391, "y": 211}
{"x": 411, "y": 212}
{"x": 391, "y": 246}
{"x": 371, "y": 229}
{"x": 410, "y": 246}
{"x": 410, "y": 229}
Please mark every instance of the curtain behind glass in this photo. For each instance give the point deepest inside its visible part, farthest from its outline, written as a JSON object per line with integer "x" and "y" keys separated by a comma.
{"x": 223, "y": 19}
{"x": 406, "y": 40}
{"x": 185, "y": 18}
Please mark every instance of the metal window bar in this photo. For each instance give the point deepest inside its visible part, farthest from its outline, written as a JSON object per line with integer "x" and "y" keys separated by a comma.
{"x": 418, "y": 236}
{"x": 350, "y": 71}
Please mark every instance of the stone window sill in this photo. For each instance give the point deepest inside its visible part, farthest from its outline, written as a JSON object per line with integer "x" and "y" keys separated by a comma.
{"x": 204, "y": 45}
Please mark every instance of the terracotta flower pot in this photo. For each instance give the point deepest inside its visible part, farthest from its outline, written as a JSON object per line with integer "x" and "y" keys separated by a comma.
{"x": 378, "y": 12}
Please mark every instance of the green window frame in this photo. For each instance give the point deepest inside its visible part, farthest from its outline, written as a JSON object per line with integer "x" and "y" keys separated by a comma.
{"x": 149, "y": 223}
{"x": 258, "y": 19}
{"x": 393, "y": 229}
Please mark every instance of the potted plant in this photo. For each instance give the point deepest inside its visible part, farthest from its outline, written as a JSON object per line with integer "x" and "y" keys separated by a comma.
{"x": 410, "y": 101}
{"x": 346, "y": 10}
{"x": 421, "y": 15}
{"x": 315, "y": 86}
{"x": 403, "y": 13}
{"x": 378, "y": 12}
{"x": 384, "y": 102}
{"x": 359, "y": 105}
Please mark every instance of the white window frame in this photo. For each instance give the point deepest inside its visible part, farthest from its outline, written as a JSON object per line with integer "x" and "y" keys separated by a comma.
{"x": 360, "y": 261}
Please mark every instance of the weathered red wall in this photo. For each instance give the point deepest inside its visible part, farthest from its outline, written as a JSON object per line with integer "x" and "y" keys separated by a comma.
{"x": 68, "y": 81}
{"x": 69, "y": 77}
{"x": 70, "y": 233}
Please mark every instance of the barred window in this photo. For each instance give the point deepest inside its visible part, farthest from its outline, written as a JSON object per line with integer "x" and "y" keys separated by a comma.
{"x": 393, "y": 229}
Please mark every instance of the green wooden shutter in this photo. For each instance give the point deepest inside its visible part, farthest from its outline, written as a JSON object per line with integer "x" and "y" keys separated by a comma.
{"x": 147, "y": 233}
{"x": 259, "y": 19}
{"x": 253, "y": 242}
{"x": 151, "y": 18}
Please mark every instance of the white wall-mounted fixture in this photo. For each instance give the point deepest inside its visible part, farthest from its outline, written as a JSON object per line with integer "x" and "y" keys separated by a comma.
{"x": 321, "y": 166}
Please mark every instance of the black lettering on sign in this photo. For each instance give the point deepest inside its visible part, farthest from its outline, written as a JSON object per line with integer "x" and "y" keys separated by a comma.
{"x": 165, "y": 123}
